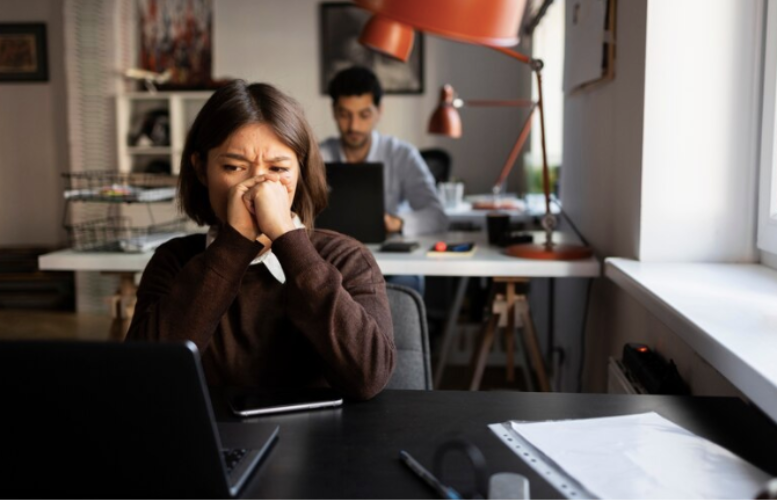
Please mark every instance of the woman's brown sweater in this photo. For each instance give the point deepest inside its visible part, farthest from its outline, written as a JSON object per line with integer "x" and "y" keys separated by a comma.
{"x": 329, "y": 324}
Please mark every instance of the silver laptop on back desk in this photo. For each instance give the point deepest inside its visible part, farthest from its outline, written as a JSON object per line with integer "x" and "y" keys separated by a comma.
{"x": 89, "y": 419}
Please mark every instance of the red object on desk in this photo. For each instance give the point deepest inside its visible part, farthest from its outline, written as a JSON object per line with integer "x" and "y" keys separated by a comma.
{"x": 440, "y": 246}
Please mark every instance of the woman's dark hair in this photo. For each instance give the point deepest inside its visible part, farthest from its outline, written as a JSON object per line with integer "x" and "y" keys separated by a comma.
{"x": 231, "y": 107}
{"x": 356, "y": 80}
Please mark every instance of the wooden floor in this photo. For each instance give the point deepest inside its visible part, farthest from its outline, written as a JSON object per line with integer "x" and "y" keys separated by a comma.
{"x": 52, "y": 325}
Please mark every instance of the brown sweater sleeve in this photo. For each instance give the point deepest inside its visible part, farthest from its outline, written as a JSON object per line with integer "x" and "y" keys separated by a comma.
{"x": 180, "y": 299}
{"x": 337, "y": 297}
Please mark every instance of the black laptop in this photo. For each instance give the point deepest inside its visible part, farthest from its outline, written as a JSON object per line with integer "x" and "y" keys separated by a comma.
{"x": 88, "y": 419}
{"x": 356, "y": 205}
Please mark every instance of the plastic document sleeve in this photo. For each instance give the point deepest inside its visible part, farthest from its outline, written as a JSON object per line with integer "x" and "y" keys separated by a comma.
{"x": 632, "y": 456}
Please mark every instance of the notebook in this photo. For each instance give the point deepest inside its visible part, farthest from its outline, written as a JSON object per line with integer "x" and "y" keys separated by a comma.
{"x": 89, "y": 419}
{"x": 356, "y": 205}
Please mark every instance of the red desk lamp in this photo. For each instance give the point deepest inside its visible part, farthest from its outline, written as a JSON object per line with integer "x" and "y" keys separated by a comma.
{"x": 492, "y": 23}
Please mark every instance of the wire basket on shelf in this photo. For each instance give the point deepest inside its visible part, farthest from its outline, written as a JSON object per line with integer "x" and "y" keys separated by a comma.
{"x": 117, "y": 187}
{"x": 116, "y": 234}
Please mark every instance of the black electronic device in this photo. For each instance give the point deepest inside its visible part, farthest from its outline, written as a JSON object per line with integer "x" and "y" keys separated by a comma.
{"x": 515, "y": 238}
{"x": 253, "y": 403}
{"x": 654, "y": 373}
{"x": 355, "y": 207}
{"x": 399, "y": 246}
{"x": 109, "y": 419}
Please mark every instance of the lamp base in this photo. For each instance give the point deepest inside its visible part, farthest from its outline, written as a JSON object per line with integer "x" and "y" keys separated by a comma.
{"x": 552, "y": 251}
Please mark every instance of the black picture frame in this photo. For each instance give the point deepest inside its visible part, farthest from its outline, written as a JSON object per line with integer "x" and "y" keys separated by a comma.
{"x": 340, "y": 26}
{"x": 23, "y": 53}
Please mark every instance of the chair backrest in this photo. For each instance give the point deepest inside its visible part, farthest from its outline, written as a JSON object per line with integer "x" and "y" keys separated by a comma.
{"x": 413, "y": 367}
{"x": 439, "y": 163}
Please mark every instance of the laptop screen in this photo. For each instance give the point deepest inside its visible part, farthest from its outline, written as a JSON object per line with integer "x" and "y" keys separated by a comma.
{"x": 109, "y": 419}
{"x": 356, "y": 205}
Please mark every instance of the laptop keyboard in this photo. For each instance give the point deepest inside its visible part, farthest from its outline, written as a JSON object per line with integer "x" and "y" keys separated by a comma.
{"x": 232, "y": 458}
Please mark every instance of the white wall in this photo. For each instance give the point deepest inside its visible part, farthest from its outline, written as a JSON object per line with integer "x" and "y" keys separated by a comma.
{"x": 33, "y": 138}
{"x": 602, "y": 172}
{"x": 638, "y": 148}
{"x": 603, "y": 145}
{"x": 276, "y": 41}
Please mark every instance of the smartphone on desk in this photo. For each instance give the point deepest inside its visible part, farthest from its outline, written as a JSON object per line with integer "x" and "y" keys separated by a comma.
{"x": 251, "y": 403}
{"x": 399, "y": 246}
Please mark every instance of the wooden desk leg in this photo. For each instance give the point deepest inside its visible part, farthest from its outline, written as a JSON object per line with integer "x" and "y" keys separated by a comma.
{"x": 530, "y": 339}
{"x": 115, "y": 331}
{"x": 123, "y": 306}
{"x": 480, "y": 354}
{"x": 510, "y": 333}
{"x": 449, "y": 331}
{"x": 528, "y": 376}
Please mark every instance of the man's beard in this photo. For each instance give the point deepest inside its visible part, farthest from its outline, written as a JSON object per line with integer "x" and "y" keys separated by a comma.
{"x": 356, "y": 140}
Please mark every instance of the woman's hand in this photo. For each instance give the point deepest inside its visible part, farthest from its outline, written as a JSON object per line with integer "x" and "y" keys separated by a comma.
{"x": 269, "y": 199}
{"x": 239, "y": 212}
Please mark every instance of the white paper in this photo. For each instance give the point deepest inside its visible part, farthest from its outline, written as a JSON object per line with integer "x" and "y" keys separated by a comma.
{"x": 642, "y": 456}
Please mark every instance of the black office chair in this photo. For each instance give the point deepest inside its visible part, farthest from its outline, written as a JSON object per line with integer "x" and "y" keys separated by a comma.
{"x": 413, "y": 368}
{"x": 439, "y": 163}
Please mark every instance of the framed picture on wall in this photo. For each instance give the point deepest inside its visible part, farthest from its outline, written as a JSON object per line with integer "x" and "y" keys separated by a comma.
{"x": 341, "y": 24}
{"x": 23, "y": 53}
{"x": 176, "y": 36}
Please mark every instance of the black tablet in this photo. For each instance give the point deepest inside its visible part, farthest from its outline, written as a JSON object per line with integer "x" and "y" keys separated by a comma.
{"x": 253, "y": 403}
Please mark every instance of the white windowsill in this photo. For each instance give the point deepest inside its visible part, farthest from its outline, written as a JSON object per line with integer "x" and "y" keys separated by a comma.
{"x": 726, "y": 312}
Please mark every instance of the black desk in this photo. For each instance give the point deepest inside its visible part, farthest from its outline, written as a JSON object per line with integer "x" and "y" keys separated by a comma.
{"x": 352, "y": 452}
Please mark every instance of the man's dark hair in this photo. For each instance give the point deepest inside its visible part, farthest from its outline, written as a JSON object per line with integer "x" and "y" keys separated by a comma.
{"x": 229, "y": 108}
{"x": 356, "y": 80}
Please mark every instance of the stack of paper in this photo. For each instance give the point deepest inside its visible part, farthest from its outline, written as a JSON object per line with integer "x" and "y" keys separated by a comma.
{"x": 633, "y": 456}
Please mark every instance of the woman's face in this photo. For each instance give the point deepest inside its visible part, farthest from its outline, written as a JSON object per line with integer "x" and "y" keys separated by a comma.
{"x": 251, "y": 150}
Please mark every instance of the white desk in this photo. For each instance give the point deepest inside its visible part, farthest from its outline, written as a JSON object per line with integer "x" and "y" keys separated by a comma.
{"x": 486, "y": 261}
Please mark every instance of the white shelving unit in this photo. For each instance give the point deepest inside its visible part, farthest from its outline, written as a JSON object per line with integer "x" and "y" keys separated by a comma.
{"x": 123, "y": 218}
{"x": 131, "y": 110}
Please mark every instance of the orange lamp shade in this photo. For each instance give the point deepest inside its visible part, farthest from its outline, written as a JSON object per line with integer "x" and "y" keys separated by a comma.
{"x": 484, "y": 22}
{"x": 388, "y": 37}
{"x": 446, "y": 120}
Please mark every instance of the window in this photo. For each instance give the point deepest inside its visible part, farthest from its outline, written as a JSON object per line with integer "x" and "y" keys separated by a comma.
{"x": 767, "y": 204}
{"x": 548, "y": 45}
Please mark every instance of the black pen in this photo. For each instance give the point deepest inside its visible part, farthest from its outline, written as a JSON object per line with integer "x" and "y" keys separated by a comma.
{"x": 439, "y": 488}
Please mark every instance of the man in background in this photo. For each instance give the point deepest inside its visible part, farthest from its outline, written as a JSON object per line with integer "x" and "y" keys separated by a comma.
{"x": 356, "y": 94}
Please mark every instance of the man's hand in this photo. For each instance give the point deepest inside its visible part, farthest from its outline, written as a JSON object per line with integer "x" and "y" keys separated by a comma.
{"x": 393, "y": 223}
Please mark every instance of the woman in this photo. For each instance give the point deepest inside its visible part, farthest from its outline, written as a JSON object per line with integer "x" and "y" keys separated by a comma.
{"x": 269, "y": 301}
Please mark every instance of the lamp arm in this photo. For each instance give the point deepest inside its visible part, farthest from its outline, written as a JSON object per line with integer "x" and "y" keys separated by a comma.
{"x": 480, "y": 103}
{"x": 519, "y": 142}
{"x": 545, "y": 170}
{"x": 515, "y": 55}
{"x": 549, "y": 221}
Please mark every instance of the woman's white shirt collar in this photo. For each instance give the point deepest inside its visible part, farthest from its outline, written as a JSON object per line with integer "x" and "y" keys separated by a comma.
{"x": 268, "y": 258}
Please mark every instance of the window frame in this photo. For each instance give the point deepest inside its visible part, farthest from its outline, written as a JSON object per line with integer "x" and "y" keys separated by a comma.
{"x": 767, "y": 199}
